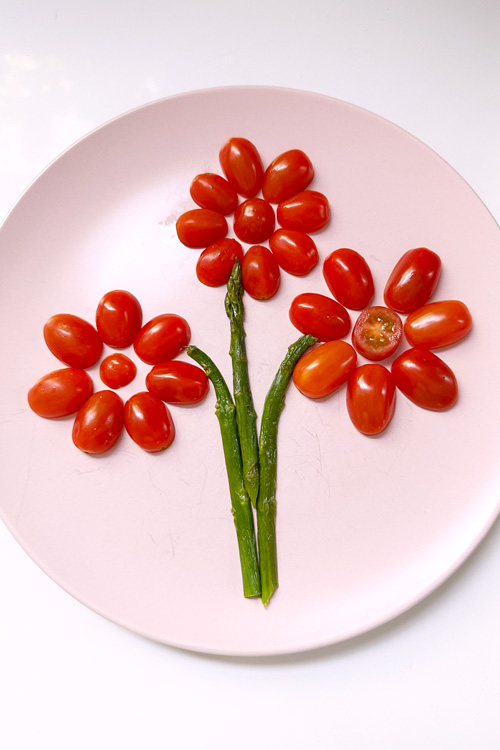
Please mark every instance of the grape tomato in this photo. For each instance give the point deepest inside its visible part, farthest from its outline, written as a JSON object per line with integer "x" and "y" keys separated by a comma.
{"x": 162, "y": 338}
{"x": 60, "y": 393}
{"x": 319, "y": 316}
{"x": 371, "y": 398}
{"x": 290, "y": 173}
{"x": 412, "y": 280}
{"x": 295, "y": 251}
{"x": 178, "y": 382}
{"x": 214, "y": 192}
{"x": 200, "y": 227}
{"x": 254, "y": 221}
{"x": 72, "y": 340}
{"x": 148, "y": 422}
{"x": 377, "y": 333}
{"x": 99, "y": 423}
{"x": 242, "y": 165}
{"x": 438, "y": 324}
{"x": 307, "y": 211}
{"x": 118, "y": 318}
{"x": 349, "y": 279}
{"x": 216, "y": 262}
{"x": 324, "y": 368}
{"x": 260, "y": 273}
{"x": 425, "y": 379}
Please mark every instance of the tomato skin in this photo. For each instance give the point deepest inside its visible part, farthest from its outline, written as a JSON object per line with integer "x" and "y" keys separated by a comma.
{"x": 162, "y": 338}
{"x": 413, "y": 280}
{"x": 242, "y": 165}
{"x": 323, "y": 369}
{"x": 290, "y": 173}
{"x": 425, "y": 379}
{"x": 377, "y": 333}
{"x": 349, "y": 279}
{"x": 212, "y": 191}
{"x": 438, "y": 324}
{"x": 371, "y": 398}
{"x": 60, "y": 393}
{"x": 178, "y": 382}
{"x": 118, "y": 318}
{"x": 149, "y": 422}
{"x": 295, "y": 251}
{"x": 307, "y": 211}
{"x": 117, "y": 370}
{"x": 216, "y": 262}
{"x": 99, "y": 423}
{"x": 260, "y": 273}
{"x": 72, "y": 340}
{"x": 254, "y": 221}
{"x": 319, "y": 316}
{"x": 200, "y": 227}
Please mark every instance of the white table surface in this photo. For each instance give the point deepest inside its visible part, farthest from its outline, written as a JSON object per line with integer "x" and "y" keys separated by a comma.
{"x": 68, "y": 677}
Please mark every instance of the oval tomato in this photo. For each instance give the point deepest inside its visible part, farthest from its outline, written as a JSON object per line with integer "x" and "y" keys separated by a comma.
{"x": 438, "y": 324}
{"x": 307, "y": 211}
{"x": 178, "y": 382}
{"x": 323, "y": 369}
{"x": 200, "y": 227}
{"x": 149, "y": 422}
{"x": 60, "y": 393}
{"x": 371, "y": 398}
{"x": 117, "y": 370}
{"x": 413, "y": 280}
{"x": 254, "y": 221}
{"x": 118, "y": 318}
{"x": 242, "y": 165}
{"x": 99, "y": 423}
{"x": 425, "y": 379}
{"x": 260, "y": 273}
{"x": 162, "y": 338}
{"x": 72, "y": 340}
{"x": 319, "y": 316}
{"x": 214, "y": 192}
{"x": 349, "y": 279}
{"x": 216, "y": 262}
{"x": 295, "y": 251}
{"x": 287, "y": 175}
{"x": 377, "y": 332}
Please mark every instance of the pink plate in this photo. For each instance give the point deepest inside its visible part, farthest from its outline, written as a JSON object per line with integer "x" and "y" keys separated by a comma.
{"x": 366, "y": 527}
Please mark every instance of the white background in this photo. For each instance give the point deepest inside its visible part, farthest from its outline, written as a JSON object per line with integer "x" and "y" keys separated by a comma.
{"x": 430, "y": 679}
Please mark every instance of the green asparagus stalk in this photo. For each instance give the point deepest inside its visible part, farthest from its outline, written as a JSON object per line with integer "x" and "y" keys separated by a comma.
{"x": 240, "y": 503}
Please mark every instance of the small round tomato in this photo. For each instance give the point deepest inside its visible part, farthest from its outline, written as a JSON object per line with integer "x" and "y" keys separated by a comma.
{"x": 349, "y": 279}
{"x": 371, "y": 398}
{"x": 117, "y": 370}
{"x": 99, "y": 423}
{"x": 324, "y": 368}
{"x": 320, "y": 316}
{"x": 118, "y": 318}
{"x": 216, "y": 262}
{"x": 254, "y": 221}
{"x": 60, "y": 393}
{"x": 214, "y": 192}
{"x": 149, "y": 422}
{"x": 242, "y": 165}
{"x": 377, "y": 333}
{"x": 425, "y": 379}
{"x": 295, "y": 251}
{"x": 307, "y": 211}
{"x": 438, "y": 324}
{"x": 260, "y": 273}
{"x": 162, "y": 338}
{"x": 178, "y": 382}
{"x": 287, "y": 175}
{"x": 413, "y": 280}
{"x": 200, "y": 227}
{"x": 72, "y": 340}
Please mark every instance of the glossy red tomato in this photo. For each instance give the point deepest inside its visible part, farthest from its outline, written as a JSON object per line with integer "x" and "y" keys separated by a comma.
{"x": 149, "y": 422}
{"x": 72, "y": 340}
{"x": 438, "y": 324}
{"x": 260, "y": 273}
{"x": 242, "y": 165}
{"x": 254, "y": 221}
{"x": 320, "y": 316}
{"x": 214, "y": 192}
{"x": 377, "y": 333}
{"x": 413, "y": 280}
{"x": 349, "y": 279}
{"x": 118, "y": 318}
{"x": 371, "y": 398}
{"x": 99, "y": 423}
{"x": 295, "y": 251}
{"x": 178, "y": 382}
{"x": 60, "y": 393}
{"x": 287, "y": 175}
{"x": 324, "y": 368}
{"x": 162, "y": 338}
{"x": 425, "y": 379}
{"x": 307, "y": 211}
{"x": 117, "y": 370}
{"x": 200, "y": 227}
{"x": 216, "y": 262}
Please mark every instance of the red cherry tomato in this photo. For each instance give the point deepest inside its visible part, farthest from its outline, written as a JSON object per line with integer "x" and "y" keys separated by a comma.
{"x": 162, "y": 338}
{"x": 371, "y": 398}
{"x": 260, "y": 273}
{"x": 60, "y": 393}
{"x": 413, "y": 280}
{"x": 425, "y": 379}
{"x": 118, "y": 318}
{"x": 117, "y": 370}
{"x": 307, "y": 211}
{"x": 438, "y": 324}
{"x": 377, "y": 333}
{"x": 99, "y": 423}
{"x": 200, "y": 227}
{"x": 349, "y": 279}
{"x": 149, "y": 422}
{"x": 287, "y": 175}
{"x": 216, "y": 262}
{"x": 254, "y": 221}
{"x": 72, "y": 340}
{"x": 320, "y": 316}
{"x": 242, "y": 165}
{"x": 323, "y": 369}
{"x": 214, "y": 192}
{"x": 295, "y": 251}
{"x": 177, "y": 382}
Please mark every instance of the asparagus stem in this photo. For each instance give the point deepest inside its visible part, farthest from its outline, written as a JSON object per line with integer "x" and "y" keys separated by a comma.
{"x": 268, "y": 454}
{"x": 246, "y": 416}
{"x": 241, "y": 507}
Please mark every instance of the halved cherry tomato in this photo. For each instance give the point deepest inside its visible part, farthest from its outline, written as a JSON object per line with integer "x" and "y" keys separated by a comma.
{"x": 371, "y": 398}
{"x": 349, "y": 279}
{"x": 425, "y": 379}
{"x": 260, "y": 273}
{"x": 214, "y": 192}
{"x": 200, "y": 227}
{"x": 377, "y": 333}
{"x": 324, "y": 368}
{"x": 295, "y": 251}
{"x": 242, "y": 165}
{"x": 118, "y": 318}
{"x": 254, "y": 221}
{"x": 320, "y": 316}
{"x": 413, "y": 280}
{"x": 162, "y": 338}
{"x": 60, "y": 393}
{"x": 438, "y": 324}
{"x": 216, "y": 262}
{"x": 149, "y": 422}
{"x": 287, "y": 175}
{"x": 99, "y": 423}
{"x": 117, "y": 370}
{"x": 178, "y": 382}
{"x": 307, "y": 211}
{"x": 72, "y": 340}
